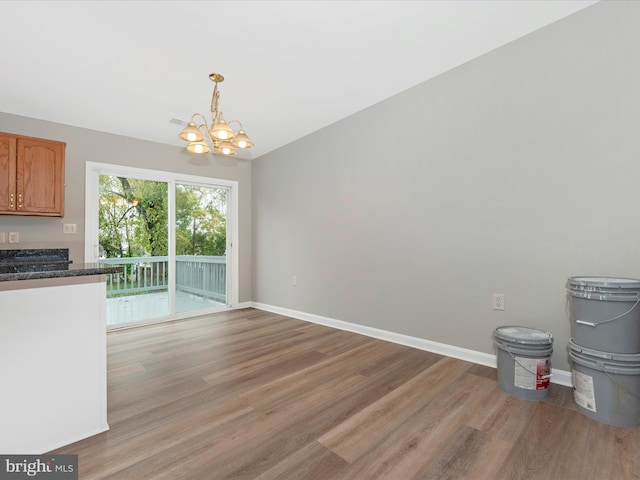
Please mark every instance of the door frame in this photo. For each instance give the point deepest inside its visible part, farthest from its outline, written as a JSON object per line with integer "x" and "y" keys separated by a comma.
{"x": 92, "y": 172}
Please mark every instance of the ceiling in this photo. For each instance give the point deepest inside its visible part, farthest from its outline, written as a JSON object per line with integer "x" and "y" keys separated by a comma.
{"x": 291, "y": 67}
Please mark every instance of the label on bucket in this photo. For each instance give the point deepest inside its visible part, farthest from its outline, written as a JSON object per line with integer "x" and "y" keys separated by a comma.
{"x": 532, "y": 373}
{"x": 583, "y": 392}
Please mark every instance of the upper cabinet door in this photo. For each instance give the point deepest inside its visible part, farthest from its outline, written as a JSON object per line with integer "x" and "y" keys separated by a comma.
{"x": 8, "y": 196}
{"x": 40, "y": 177}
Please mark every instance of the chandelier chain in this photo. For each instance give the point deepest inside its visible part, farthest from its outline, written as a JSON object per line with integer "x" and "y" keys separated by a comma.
{"x": 214, "y": 100}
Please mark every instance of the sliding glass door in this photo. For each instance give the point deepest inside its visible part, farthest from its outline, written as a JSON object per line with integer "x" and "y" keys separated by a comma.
{"x": 171, "y": 236}
{"x": 201, "y": 247}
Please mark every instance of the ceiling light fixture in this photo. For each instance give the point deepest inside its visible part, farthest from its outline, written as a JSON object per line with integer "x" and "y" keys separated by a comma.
{"x": 223, "y": 138}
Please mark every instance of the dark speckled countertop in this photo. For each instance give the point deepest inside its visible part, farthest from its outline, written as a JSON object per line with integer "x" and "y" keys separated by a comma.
{"x": 31, "y": 264}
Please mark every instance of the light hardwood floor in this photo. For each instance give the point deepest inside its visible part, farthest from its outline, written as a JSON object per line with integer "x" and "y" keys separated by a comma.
{"x": 254, "y": 395}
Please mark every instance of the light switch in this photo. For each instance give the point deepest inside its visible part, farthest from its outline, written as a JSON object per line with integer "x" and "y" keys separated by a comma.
{"x": 3, "y": 237}
{"x": 69, "y": 228}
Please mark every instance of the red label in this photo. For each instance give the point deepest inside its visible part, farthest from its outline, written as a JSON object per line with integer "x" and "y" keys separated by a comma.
{"x": 543, "y": 373}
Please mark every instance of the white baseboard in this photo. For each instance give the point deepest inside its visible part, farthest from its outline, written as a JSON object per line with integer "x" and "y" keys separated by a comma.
{"x": 69, "y": 441}
{"x": 240, "y": 305}
{"x": 561, "y": 377}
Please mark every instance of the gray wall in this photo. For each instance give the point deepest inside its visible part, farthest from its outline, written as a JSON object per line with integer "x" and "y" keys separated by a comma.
{"x": 508, "y": 174}
{"x": 88, "y": 145}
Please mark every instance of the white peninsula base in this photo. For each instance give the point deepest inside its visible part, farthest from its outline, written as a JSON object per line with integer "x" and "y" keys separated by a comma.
{"x": 53, "y": 386}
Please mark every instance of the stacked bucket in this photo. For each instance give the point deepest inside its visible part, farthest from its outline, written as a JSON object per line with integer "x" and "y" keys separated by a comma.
{"x": 605, "y": 348}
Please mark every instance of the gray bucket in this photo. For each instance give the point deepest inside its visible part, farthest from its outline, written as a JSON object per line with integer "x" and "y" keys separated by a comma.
{"x": 604, "y": 313}
{"x": 524, "y": 361}
{"x": 606, "y": 386}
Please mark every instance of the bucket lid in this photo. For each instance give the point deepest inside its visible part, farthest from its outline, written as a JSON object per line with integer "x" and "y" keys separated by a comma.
{"x": 523, "y": 335}
{"x": 627, "y": 358}
{"x": 604, "y": 282}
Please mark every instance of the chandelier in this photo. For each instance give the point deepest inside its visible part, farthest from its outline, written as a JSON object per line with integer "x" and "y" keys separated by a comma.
{"x": 222, "y": 137}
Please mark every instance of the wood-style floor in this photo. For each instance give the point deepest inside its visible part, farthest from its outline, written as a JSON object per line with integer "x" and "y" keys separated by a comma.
{"x": 255, "y": 395}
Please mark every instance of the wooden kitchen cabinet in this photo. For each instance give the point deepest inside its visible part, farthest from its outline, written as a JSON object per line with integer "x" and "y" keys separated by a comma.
{"x": 31, "y": 176}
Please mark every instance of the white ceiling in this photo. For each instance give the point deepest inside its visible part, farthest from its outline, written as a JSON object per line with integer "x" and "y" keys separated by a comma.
{"x": 291, "y": 67}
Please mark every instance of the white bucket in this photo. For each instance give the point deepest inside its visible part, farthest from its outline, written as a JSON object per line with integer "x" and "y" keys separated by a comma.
{"x": 524, "y": 361}
{"x": 605, "y": 313}
{"x": 606, "y": 386}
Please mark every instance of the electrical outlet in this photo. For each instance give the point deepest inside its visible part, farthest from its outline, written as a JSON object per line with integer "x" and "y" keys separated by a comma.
{"x": 14, "y": 237}
{"x": 498, "y": 301}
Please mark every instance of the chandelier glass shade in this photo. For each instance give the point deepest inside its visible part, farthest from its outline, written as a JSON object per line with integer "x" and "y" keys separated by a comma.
{"x": 219, "y": 134}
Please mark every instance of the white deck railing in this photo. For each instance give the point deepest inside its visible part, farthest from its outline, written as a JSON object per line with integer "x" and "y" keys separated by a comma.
{"x": 204, "y": 276}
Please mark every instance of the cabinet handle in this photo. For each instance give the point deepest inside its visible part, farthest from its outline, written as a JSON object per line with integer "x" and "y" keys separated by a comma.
{"x": 12, "y": 202}
{"x": 19, "y": 200}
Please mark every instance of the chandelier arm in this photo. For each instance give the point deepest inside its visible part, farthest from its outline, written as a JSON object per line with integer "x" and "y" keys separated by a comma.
{"x": 204, "y": 119}
{"x": 235, "y": 121}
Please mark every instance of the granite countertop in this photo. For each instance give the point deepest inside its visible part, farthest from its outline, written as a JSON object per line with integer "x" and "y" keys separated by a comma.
{"x": 66, "y": 270}
{"x": 31, "y": 264}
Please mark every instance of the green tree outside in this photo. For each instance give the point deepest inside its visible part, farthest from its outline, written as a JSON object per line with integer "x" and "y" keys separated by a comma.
{"x": 133, "y": 218}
